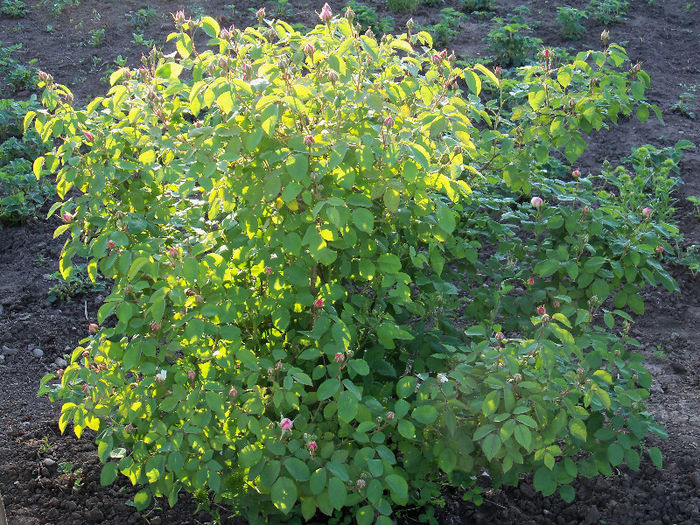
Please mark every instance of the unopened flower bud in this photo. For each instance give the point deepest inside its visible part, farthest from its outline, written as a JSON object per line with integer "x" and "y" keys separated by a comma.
{"x": 349, "y": 14}
{"x": 541, "y": 310}
{"x": 605, "y": 35}
{"x": 326, "y": 14}
{"x": 646, "y": 212}
{"x": 174, "y": 252}
{"x": 545, "y": 318}
{"x": 309, "y": 140}
{"x": 576, "y": 173}
{"x": 333, "y": 76}
{"x": 309, "y": 49}
{"x": 154, "y": 327}
{"x": 388, "y": 122}
{"x": 659, "y": 250}
{"x": 233, "y": 392}
{"x": 436, "y": 58}
{"x": 89, "y": 136}
{"x": 67, "y": 217}
{"x": 311, "y": 447}
{"x": 179, "y": 17}
{"x": 498, "y": 71}
{"x": 86, "y": 354}
{"x": 268, "y": 270}
{"x": 339, "y": 357}
{"x": 318, "y": 303}
{"x": 546, "y": 53}
{"x": 93, "y": 328}
{"x": 517, "y": 377}
{"x": 536, "y": 202}
{"x": 286, "y": 424}
{"x": 409, "y": 24}
{"x": 556, "y": 304}
{"x": 499, "y": 336}
{"x": 361, "y": 483}
{"x": 586, "y": 210}
{"x": 278, "y": 365}
{"x": 260, "y": 14}
{"x": 191, "y": 374}
{"x": 390, "y": 416}
{"x": 531, "y": 281}
{"x": 111, "y": 244}
{"x": 59, "y": 372}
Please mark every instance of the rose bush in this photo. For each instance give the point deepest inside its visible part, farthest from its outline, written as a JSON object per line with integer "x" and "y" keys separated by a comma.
{"x": 327, "y": 266}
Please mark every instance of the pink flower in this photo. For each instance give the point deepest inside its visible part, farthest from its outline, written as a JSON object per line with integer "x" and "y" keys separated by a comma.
{"x": 646, "y": 212}
{"x": 260, "y": 14}
{"x": 390, "y": 416}
{"x": 311, "y": 446}
{"x": 318, "y": 303}
{"x": 498, "y": 71}
{"x": 111, "y": 245}
{"x": 191, "y": 374}
{"x": 286, "y": 424}
{"x": 268, "y": 270}
{"x": 541, "y": 310}
{"x": 536, "y": 202}
{"x": 93, "y": 328}
{"x": 436, "y": 58}
{"x": 388, "y": 122}
{"x": 233, "y": 392}
{"x": 84, "y": 389}
{"x": 89, "y": 136}
{"x": 576, "y": 173}
{"x": 556, "y": 304}
{"x": 361, "y": 484}
{"x": 174, "y": 252}
{"x": 531, "y": 281}
{"x": 339, "y": 357}
{"x": 67, "y": 217}
{"x": 326, "y": 13}
{"x": 309, "y": 49}
{"x": 155, "y": 327}
{"x": 546, "y": 53}
{"x": 659, "y": 250}
{"x": 309, "y": 140}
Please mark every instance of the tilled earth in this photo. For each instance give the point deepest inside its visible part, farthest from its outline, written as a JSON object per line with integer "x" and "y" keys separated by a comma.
{"x": 38, "y": 486}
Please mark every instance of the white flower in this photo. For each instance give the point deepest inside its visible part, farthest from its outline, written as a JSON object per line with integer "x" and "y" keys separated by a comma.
{"x": 442, "y": 378}
{"x": 160, "y": 376}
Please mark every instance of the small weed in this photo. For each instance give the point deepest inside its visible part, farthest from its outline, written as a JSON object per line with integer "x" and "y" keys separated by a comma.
{"x": 139, "y": 40}
{"x": 367, "y": 17}
{"x": 78, "y": 283}
{"x": 471, "y": 6}
{"x": 403, "y": 6}
{"x": 695, "y": 201}
{"x": 16, "y": 75}
{"x": 608, "y": 11}
{"x": 659, "y": 352}
{"x": 507, "y": 41}
{"x": 13, "y": 8}
{"x": 570, "y": 20}
{"x": 141, "y": 18}
{"x": 97, "y": 37}
{"x": 690, "y": 258}
{"x": 446, "y": 29}
{"x": 56, "y": 7}
{"x": 686, "y": 102}
{"x": 65, "y": 468}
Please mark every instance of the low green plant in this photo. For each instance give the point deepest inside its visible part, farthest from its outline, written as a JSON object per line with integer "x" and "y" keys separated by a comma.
{"x": 13, "y": 8}
{"x": 570, "y": 20}
{"x": 341, "y": 284}
{"x": 686, "y": 102}
{"x": 138, "y": 39}
{"x": 695, "y": 201}
{"x": 96, "y": 37}
{"x": 402, "y": 6}
{"x": 15, "y": 74}
{"x": 141, "y": 18}
{"x": 477, "y": 5}
{"x": 508, "y": 42}
{"x": 56, "y": 7}
{"x": 367, "y": 18}
{"x": 608, "y": 11}
{"x": 21, "y": 194}
{"x": 446, "y": 29}
{"x": 75, "y": 285}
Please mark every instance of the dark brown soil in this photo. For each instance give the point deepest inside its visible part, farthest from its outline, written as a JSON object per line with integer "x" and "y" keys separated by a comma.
{"x": 34, "y": 333}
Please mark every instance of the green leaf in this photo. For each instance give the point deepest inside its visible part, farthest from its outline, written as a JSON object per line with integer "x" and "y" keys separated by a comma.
{"x": 359, "y": 366}
{"x": 491, "y": 446}
{"x": 169, "y": 70}
{"x": 406, "y": 386}
{"x": 636, "y": 304}
{"x": 389, "y": 264}
{"x": 109, "y": 473}
{"x": 337, "y": 493}
{"x": 297, "y": 468}
{"x": 446, "y": 219}
{"x": 142, "y": 499}
{"x": 363, "y": 219}
{"x": 347, "y": 406}
{"x": 406, "y": 429}
{"x": 425, "y": 414}
{"x": 447, "y": 460}
{"x": 656, "y": 457}
{"x": 284, "y": 494}
{"x": 523, "y": 436}
{"x": 577, "y": 429}
{"x": 318, "y": 481}
{"x": 567, "y": 493}
{"x": 398, "y": 487}
{"x": 544, "y": 481}
{"x": 616, "y": 454}
{"x": 491, "y": 402}
{"x": 547, "y": 267}
{"x": 328, "y": 388}
{"x": 365, "y": 515}
{"x": 210, "y": 26}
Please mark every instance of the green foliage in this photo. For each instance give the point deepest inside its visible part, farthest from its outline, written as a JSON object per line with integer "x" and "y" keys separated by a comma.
{"x": 56, "y": 7}
{"x": 477, "y": 5}
{"x": 446, "y": 29}
{"x": 570, "y": 20}
{"x": 367, "y": 18}
{"x": 510, "y": 46}
{"x": 16, "y": 75}
{"x": 316, "y": 255}
{"x": 21, "y": 194}
{"x": 13, "y": 8}
{"x": 77, "y": 284}
{"x": 141, "y": 18}
{"x": 402, "y": 6}
{"x": 608, "y": 11}
{"x": 686, "y": 102}
{"x": 97, "y": 37}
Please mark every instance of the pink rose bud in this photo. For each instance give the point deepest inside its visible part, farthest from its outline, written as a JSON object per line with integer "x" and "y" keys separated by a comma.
{"x": 246, "y": 67}
{"x": 309, "y": 140}
{"x": 86, "y": 354}
{"x": 225, "y": 34}
{"x": 191, "y": 374}
{"x": 605, "y": 35}
{"x": 154, "y": 327}
{"x": 286, "y": 424}
{"x": 59, "y": 372}
{"x": 260, "y": 14}
{"x": 67, "y": 217}
{"x": 541, "y": 310}
{"x": 326, "y": 14}
{"x": 443, "y": 54}
{"x": 309, "y": 49}
{"x": 576, "y": 173}
{"x": 586, "y": 210}
{"x": 93, "y": 328}
{"x": 111, "y": 245}
{"x": 333, "y": 76}
{"x": 311, "y": 446}
{"x": 536, "y": 202}
{"x": 43, "y": 76}
{"x": 174, "y": 252}
{"x": 84, "y": 388}
{"x": 361, "y": 484}
{"x": 179, "y": 17}
{"x": 500, "y": 337}
{"x": 278, "y": 366}
{"x": 268, "y": 270}
{"x": 556, "y": 304}
{"x": 546, "y": 53}
{"x": 339, "y": 357}
{"x": 233, "y": 392}
{"x": 531, "y": 281}
{"x": 436, "y": 58}
{"x": 659, "y": 250}
{"x": 389, "y": 416}
{"x": 89, "y": 136}
{"x": 498, "y": 71}
{"x": 646, "y": 212}
{"x": 388, "y": 122}
{"x": 318, "y": 303}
